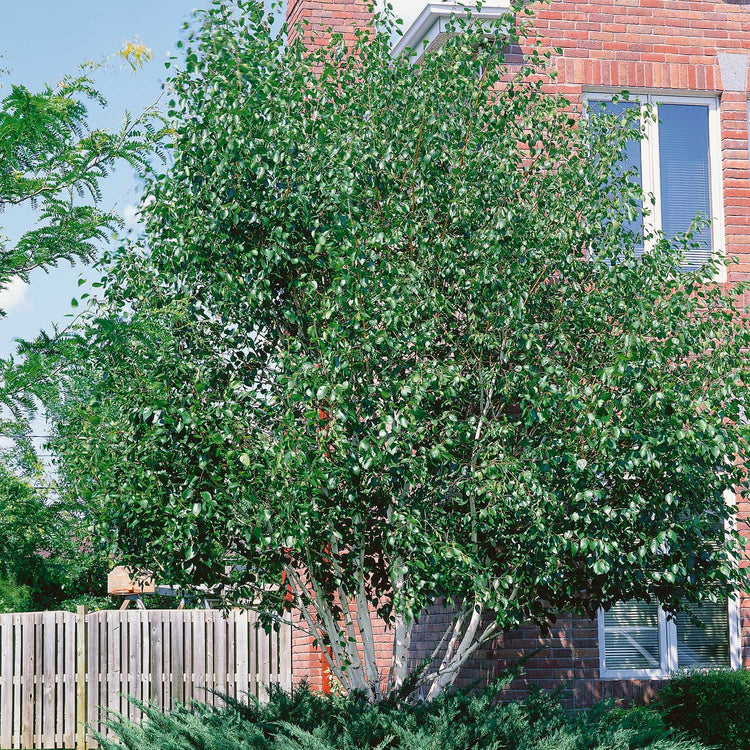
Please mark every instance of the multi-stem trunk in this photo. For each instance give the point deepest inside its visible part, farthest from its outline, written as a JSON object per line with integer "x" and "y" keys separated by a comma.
{"x": 345, "y": 636}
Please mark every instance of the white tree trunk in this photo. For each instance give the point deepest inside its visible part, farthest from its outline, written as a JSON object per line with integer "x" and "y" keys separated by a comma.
{"x": 337, "y": 639}
{"x": 401, "y": 638}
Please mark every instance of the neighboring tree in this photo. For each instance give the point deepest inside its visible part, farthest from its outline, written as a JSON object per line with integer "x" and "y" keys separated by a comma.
{"x": 390, "y": 343}
{"x": 51, "y": 161}
{"x": 47, "y": 555}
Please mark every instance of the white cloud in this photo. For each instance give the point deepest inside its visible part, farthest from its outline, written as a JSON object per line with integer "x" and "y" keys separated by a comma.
{"x": 131, "y": 214}
{"x": 13, "y": 295}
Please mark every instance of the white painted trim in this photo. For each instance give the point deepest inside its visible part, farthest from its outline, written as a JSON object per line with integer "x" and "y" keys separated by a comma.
{"x": 434, "y": 19}
{"x": 716, "y": 186}
{"x": 633, "y": 674}
{"x": 735, "y": 621}
{"x": 650, "y": 178}
{"x": 735, "y": 633}
{"x": 608, "y": 91}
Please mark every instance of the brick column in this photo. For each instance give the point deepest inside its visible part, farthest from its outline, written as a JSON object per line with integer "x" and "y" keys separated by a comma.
{"x": 322, "y": 15}
{"x": 736, "y": 179}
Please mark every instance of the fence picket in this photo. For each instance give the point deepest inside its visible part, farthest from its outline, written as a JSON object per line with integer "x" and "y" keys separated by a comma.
{"x": 134, "y": 663}
{"x": 264, "y": 654}
{"x": 27, "y": 680}
{"x": 94, "y": 677}
{"x": 38, "y": 674}
{"x": 273, "y": 638}
{"x": 59, "y": 656}
{"x": 123, "y": 664}
{"x": 187, "y": 634}
{"x": 220, "y": 655}
{"x": 112, "y": 654}
{"x": 17, "y": 661}
{"x": 6, "y": 681}
{"x": 163, "y": 657}
{"x": 156, "y": 696}
{"x": 199, "y": 655}
{"x": 48, "y": 641}
{"x": 241, "y": 673}
{"x": 167, "y": 665}
{"x": 231, "y": 620}
{"x": 146, "y": 675}
{"x": 252, "y": 619}
{"x": 69, "y": 680}
{"x": 176, "y": 665}
{"x": 285, "y": 654}
{"x": 210, "y": 683}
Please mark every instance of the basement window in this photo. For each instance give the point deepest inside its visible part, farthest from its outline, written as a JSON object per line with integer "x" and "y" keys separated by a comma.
{"x": 637, "y": 640}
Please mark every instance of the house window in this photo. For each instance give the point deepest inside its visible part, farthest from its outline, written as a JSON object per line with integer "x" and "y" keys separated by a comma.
{"x": 638, "y": 640}
{"x": 707, "y": 646}
{"x": 634, "y": 637}
{"x": 678, "y": 163}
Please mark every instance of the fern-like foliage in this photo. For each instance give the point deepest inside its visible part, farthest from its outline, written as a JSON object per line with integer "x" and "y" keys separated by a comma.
{"x": 51, "y": 161}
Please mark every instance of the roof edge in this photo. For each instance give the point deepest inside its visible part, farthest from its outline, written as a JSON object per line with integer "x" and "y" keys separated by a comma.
{"x": 416, "y": 37}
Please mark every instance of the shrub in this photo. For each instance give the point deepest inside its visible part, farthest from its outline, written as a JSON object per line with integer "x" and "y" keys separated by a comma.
{"x": 711, "y": 706}
{"x": 14, "y": 597}
{"x": 460, "y": 721}
{"x": 92, "y": 601}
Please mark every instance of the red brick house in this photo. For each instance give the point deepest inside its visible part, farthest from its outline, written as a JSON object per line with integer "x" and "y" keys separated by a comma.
{"x": 690, "y": 58}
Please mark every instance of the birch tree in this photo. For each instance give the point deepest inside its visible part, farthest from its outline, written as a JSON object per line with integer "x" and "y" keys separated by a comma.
{"x": 390, "y": 343}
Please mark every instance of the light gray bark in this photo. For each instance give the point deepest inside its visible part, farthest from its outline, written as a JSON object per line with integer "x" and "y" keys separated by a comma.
{"x": 401, "y": 636}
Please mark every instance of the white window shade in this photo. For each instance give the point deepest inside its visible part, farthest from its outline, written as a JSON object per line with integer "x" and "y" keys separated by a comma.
{"x": 706, "y": 646}
{"x": 685, "y": 183}
{"x": 631, "y": 636}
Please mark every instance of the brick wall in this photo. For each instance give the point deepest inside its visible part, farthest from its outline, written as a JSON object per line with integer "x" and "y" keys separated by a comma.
{"x": 310, "y": 665}
{"x": 661, "y": 46}
{"x": 670, "y": 46}
{"x": 317, "y": 16}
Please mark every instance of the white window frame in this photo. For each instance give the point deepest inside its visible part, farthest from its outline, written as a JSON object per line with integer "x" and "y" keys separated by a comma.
{"x": 650, "y": 173}
{"x": 668, "y": 647}
{"x": 668, "y": 635}
{"x": 629, "y": 674}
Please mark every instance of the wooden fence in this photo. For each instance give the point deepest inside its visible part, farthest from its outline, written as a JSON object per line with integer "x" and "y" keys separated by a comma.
{"x": 60, "y": 673}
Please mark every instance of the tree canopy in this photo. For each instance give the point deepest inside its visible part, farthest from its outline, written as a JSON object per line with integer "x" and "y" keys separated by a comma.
{"x": 53, "y": 163}
{"x": 48, "y": 558}
{"x": 390, "y": 341}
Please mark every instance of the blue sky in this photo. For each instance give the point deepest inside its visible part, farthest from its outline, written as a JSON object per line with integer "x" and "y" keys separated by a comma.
{"x": 40, "y": 40}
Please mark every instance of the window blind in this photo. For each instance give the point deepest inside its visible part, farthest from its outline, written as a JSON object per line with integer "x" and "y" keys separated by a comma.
{"x": 685, "y": 176}
{"x": 631, "y": 635}
{"x": 703, "y": 646}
